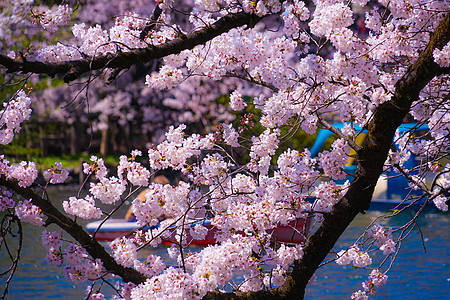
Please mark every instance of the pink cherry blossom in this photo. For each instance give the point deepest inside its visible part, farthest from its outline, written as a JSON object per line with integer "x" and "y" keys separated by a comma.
{"x": 27, "y": 212}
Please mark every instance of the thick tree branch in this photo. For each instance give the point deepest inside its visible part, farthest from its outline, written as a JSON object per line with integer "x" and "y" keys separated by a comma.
{"x": 76, "y": 231}
{"x": 387, "y": 118}
{"x": 74, "y": 69}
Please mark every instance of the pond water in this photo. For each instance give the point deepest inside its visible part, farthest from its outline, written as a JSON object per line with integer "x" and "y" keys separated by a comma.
{"x": 416, "y": 274}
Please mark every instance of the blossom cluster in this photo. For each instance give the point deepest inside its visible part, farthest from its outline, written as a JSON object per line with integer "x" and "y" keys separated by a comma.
{"x": 172, "y": 281}
{"x": 14, "y": 113}
{"x": 327, "y": 194}
{"x": 172, "y": 201}
{"x": 56, "y": 174}
{"x": 359, "y": 295}
{"x": 107, "y": 190}
{"x": 51, "y": 239}
{"x": 213, "y": 170}
{"x": 441, "y": 202}
{"x": 133, "y": 171}
{"x": 153, "y": 265}
{"x": 298, "y": 169}
{"x": 177, "y": 149}
{"x": 94, "y": 40}
{"x": 262, "y": 148}
{"x": 333, "y": 161}
{"x": 281, "y": 259}
{"x": 236, "y": 101}
{"x": 25, "y": 173}
{"x": 326, "y": 18}
{"x": 54, "y": 17}
{"x": 98, "y": 167}
{"x": 166, "y": 77}
{"x": 211, "y": 270}
{"x": 52, "y": 243}
{"x": 230, "y": 135}
{"x": 78, "y": 266}
{"x": 28, "y": 212}
{"x": 292, "y": 16}
{"x": 83, "y": 208}
{"x": 332, "y": 21}
{"x": 376, "y": 279}
{"x": 442, "y": 57}
{"x": 360, "y": 258}
{"x": 383, "y": 238}
{"x": 6, "y": 200}
{"x": 124, "y": 251}
{"x": 148, "y": 210}
{"x": 261, "y": 8}
{"x": 93, "y": 295}
{"x": 198, "y": 232}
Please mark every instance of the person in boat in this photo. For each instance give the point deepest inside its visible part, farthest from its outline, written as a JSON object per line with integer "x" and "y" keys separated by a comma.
{"x": 129, "y": 216}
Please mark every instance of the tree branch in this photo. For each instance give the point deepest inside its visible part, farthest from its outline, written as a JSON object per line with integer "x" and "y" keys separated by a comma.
{"x": 123, "y": 60}
{"x": 152, "y": 23}
{"x": 371, "y": 157}
{"x": 91, "y": 245}
{"x": 334, "y": 130}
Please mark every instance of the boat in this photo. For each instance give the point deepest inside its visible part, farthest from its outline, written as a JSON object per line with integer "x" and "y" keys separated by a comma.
{"x": 110, "y": 229}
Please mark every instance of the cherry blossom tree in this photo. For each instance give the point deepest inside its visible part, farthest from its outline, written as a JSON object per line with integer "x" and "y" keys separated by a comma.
{"x": 126, "y": 107}
{"x": 302, "y": 66}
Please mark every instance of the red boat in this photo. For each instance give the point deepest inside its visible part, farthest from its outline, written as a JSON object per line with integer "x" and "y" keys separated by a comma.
{"x": 294, "y": 232}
